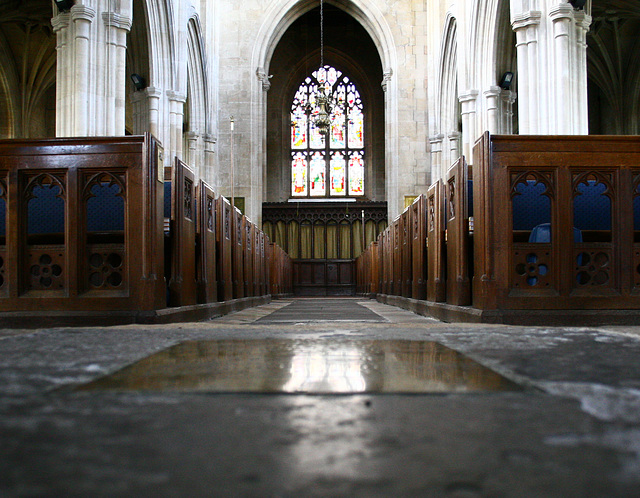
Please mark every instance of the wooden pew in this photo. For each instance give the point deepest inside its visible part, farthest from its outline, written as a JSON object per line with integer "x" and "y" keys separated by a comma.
{"x": 224, "y": 249}
{"x": 458, "y": 283}
{"x": 76, "y": 259}
{"x": 595, "y": 268}
{"x": 248, "y": 256}
{"x": 436, "y": 264}
{"x": 207, "y": 286}
{"x": 406, "y": 226}
{"x": 238, "y": 244}
{"x": 182, "y": 278}
{"x": 419, "y": 248}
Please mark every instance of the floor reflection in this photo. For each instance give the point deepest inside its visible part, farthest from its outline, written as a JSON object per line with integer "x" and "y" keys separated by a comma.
{"x": 317, "y": 367}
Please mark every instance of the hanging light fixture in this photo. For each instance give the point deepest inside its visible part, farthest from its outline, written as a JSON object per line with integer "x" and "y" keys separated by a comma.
{"x": 323, "y": 96}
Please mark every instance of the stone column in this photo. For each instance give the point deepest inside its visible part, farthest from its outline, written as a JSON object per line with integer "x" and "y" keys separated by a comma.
{"x": 60, "y": 25}
{"x": 454, "y": 148}
{"x": 176, "y": 115}
{"x": 209, "y": 159}
{"x": 493, "y": 109}
{"x": 583, "y": 22}
{"x": 117, "y": 27}
{"x": 563, "y": 91}
{"x": 468, "y": 111}
{"x": 82, "y": 18}
{"x": 507, "y": 98}
{"x": 436, "y": 157}
{"x": 526, "y": 27}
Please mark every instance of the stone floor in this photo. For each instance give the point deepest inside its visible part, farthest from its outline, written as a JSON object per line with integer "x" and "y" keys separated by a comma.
{"x": 572, "y": 430}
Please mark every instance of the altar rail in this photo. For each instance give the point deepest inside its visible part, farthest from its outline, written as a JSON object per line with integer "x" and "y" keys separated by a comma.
{"x": 84, "y": 227}
{"x": 555, "y": 231}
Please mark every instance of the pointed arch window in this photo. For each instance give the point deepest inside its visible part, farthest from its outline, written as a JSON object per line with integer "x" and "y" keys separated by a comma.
{"x": 331, "y": 165}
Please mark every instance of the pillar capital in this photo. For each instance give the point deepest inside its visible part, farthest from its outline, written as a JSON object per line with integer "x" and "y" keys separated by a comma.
{"x": 82, "y": 13}
{"x": 116, "y": 20}
{"x": 60, "y": 21}
{"x": 562, "y": 11}
{"x": 176, "y": 96}
{"x": 526, "y": 19}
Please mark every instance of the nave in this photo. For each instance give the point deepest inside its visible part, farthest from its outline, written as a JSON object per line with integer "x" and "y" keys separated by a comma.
{"x": 80, "y": 413}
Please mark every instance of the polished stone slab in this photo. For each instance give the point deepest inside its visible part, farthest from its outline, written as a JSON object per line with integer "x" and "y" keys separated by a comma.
{"x": 322, "y": 309}
{"x": 310, "y": 366}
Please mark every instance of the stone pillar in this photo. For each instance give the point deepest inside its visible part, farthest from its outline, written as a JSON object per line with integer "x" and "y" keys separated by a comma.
{"x": 468, "y": 111}
{"x": 563, "y": 91}
{"x": 454, "y": 149}
{"x": 209, "y": 159}
{"x": 526, "y": 26}
{"x": 117, "y": 27}
{"x": 82, "y": 19}
{"x": 493, "y": 109}
{"x": 191, "y": 156}
{"x": 436, "y": 157}
{"x": 583, "y": 22}
{"x": 176, "y": 118}
{"x": 507, "y": 98}
{"x": 60, "y": 25}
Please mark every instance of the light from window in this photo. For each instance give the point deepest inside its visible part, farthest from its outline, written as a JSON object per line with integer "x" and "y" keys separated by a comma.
{"x": 333, "y": 167}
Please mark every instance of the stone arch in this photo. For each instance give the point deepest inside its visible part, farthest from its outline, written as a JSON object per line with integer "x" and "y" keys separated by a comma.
{"x": 152, "y": 53}
{"x": 278, "y": 18}
{"x": 197, "y": 110}
{"x": 492, "y": 52}
{"x": 350, "y": 51}
{"x": 448, "y": 113}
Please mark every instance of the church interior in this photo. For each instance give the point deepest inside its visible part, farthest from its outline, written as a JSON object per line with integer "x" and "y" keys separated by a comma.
{"x": 319, "y": 247}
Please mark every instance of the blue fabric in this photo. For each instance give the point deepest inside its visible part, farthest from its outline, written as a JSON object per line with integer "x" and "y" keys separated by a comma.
{"x": 45, "y": 211}
{"x": 105, "y": 210}
{"x": 167, "y": 199}
{"x": 591, "y": 209}
{"x": 542, "y": 234}
{"x": 530, "y": 207}
{"x": 469, "y": 198}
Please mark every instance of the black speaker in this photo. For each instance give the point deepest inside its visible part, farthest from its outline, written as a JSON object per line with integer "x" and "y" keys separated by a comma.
{"x": 578, "y": 4}
{"x": 64, "y": 5}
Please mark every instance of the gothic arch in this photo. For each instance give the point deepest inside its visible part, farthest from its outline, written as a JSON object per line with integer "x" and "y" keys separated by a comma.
{"x": 278, "y": 18}
{"x": 448, "y": 112}
{"x": 197, "y": 109}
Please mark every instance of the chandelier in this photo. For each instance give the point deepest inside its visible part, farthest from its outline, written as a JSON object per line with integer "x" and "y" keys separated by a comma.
{"x": 324, "y": 99}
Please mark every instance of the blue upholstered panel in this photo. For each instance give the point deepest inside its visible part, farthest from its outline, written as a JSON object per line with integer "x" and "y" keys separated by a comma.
{"x": 470, "y": 198}
{"x": 591, "y": 209}
{"x": 167, "y": 199}
{"x": 636, "y": 213}
{"x": 45, "y": 211}
{"x": 105, "y": 211}
{"x": 530, "y": 207}
{"x": 3, "y": 218}
{"x": 542, "y": 234}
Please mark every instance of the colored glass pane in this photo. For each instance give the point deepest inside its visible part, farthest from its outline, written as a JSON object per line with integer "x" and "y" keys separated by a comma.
{"x": 356, "y": 131}
{"x": 298, "y": 130}
{"x": 299, "y": 175}
{"x": 337, "y": 174}
{"x": 356, "y": 174}
{"x": 337, "y": 129}
{"x": 317, "y": 172}
{"x": 333, "y": 164}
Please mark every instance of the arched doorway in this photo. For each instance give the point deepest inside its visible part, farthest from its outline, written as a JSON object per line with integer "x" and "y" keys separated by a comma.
{"x": 319, "y": 215}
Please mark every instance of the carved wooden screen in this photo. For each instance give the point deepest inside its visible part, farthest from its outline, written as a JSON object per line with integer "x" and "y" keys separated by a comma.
{"x": 206, "y": 268}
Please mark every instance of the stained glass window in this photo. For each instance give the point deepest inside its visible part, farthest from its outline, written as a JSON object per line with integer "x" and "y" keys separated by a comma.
{"x": 333, "y": 165}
